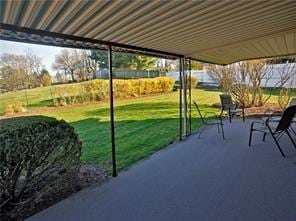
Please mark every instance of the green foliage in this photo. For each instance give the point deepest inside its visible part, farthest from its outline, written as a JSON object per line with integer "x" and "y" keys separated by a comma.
{"x": 35, "y": 153}
{"x": 124, "y": 60}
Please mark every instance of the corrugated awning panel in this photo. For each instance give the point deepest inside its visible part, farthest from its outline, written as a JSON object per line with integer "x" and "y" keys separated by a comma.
{"x": 215, "y": 31}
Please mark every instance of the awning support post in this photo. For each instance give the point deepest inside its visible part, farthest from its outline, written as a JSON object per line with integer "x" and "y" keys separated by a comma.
{"x": 180, "y": 100}
{"x": 190, "y": 100}
{"x": 114, "y": 170}
{"x": 185, "y": 133}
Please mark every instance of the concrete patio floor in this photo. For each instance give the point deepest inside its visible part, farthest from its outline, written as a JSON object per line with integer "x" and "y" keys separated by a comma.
{"x": 203, "y": 179}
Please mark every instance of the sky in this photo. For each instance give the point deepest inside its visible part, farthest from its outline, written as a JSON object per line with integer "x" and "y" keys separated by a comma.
{"x": 46, "y": 53}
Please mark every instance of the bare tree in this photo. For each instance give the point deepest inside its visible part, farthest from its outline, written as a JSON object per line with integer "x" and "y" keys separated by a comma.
{"x": 90, "y": 64}
{"x": 287, "y": 80}
{"x": 20, "y": 71}
{"x": 246, "y": 80}
{"x": 60, "y": 77}
{"x": 243, "y": 80}
{"x": 77, "y": 64}
{"x": 66, "y": 62}
{"x": 221, "y": 74}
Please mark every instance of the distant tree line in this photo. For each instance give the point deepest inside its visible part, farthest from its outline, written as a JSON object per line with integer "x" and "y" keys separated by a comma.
{"x": 73, "y": 65}
{"x": 81, "y": 65}
{"x": 22, "y": 71}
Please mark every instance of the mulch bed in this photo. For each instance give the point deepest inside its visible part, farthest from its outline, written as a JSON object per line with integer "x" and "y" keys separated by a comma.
{"x": 258, "y": 111}
{"x": 87, "y": 176}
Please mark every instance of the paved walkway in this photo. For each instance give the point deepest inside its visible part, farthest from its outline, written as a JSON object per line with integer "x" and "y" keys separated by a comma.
{"x": 198, "y": 179}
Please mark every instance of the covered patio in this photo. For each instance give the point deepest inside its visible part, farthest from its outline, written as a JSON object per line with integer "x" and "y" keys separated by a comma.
{"x": 217, "y": 32}
{"x": 203, "y": 178}
{"x": 197, "y": 179}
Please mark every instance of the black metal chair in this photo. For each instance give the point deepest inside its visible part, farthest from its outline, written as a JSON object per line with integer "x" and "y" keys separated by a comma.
{"x": 275, "y": 116}
{"x": 205, "y": 121}
{"x": 278, "y": 130}
{"x": 230, "y": 107}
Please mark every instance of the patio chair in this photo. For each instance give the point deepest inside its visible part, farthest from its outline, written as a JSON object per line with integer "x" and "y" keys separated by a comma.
{"x": 277, "y": 131}
{"x": 205, "y": 121}
{"x": 230, "y": 107}
{"x": 275, "y": 116}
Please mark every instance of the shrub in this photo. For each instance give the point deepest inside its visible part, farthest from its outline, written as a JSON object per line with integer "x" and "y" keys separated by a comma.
{"x": 165, "y": 84}
{"x": 154, "y": 85}
{"x": 45, "y": 80}
{"x": 194, "y": 82}
{"x": 16, "y": 107}
{"x": 123, "y": 88}
{"x": 9, "y": 109}
{"x": 70, "y": 94}
{"x": 284, "y": 97}
{"x": 98, "y": 89}
{"x": 35, "y": 154}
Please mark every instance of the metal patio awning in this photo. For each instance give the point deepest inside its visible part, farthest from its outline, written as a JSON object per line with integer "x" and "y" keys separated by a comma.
{"x": 216, "y": 31}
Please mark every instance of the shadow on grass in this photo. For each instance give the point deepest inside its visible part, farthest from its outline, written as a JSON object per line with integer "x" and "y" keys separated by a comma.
{"x": 135, "y": 139}
{"x": 44, "y": 103}
{"x": 171, "y": 107}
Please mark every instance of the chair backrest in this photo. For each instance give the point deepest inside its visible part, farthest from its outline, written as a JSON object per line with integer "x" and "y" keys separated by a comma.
{"x": 199, "y": 113}
{"x": 286, "y": 118}
{"x": 226, "y": 101}
{"x": 292, "y": 102}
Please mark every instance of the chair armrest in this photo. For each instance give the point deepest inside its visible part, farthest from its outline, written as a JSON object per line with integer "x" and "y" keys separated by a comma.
{"x": 256, "y": 122}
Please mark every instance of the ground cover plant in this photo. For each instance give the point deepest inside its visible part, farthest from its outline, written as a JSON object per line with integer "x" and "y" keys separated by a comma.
{"x": 37, "y": 154}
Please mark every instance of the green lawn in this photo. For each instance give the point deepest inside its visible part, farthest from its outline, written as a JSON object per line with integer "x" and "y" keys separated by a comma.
{"x": 31, "y": 98}
{"x": 143, "y": 125}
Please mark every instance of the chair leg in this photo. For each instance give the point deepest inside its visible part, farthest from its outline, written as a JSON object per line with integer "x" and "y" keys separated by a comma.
{"x": 229, "y": 114}
{"x": 244, "y": 115}
{"x": 264, "y": 135}
{"x": 250, "y": 137}
{"x": 222, "y": 131}
{"x": 291, "y": 138}
{"x": 278, "y": 145}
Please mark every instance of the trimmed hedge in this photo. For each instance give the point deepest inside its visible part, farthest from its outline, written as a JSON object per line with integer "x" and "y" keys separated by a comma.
{"x": 35, "y": 153}
{"x": 96, "y": 90}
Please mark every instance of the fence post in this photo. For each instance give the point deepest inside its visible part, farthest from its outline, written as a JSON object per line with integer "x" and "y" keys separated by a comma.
{"x": 51, "y": 96}
{"x": 27, "y": 102}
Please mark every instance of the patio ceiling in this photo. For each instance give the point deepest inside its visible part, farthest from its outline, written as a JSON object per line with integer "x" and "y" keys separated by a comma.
{"x": 215, "y": 31}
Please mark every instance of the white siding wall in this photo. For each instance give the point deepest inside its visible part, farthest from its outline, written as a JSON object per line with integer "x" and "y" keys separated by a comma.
{"x": 203, "y": 77}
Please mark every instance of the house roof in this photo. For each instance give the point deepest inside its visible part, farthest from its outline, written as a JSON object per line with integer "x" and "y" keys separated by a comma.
{"x": 216, "y": 31}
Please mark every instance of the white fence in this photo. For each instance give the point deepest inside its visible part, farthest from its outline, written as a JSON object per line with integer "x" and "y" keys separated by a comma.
{"x": 274, "y": 77}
